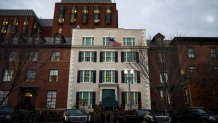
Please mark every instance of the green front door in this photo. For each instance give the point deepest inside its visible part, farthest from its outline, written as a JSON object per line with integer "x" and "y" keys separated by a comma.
{"x": 108, "y": 98}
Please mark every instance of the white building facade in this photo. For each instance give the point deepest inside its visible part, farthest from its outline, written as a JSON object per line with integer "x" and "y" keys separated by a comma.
{"x": 97, "y": 69}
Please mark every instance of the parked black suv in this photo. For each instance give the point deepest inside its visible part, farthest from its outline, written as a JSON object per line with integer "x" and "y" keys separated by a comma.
{"x": 6, "y": 114}
{"x": 142, "y": 116}
{"x": 193, "y": 115}
{"x": 76, "y": 116}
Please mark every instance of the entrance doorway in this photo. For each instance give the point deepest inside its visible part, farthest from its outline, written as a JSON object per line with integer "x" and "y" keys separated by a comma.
{"x": 108, "y": 98}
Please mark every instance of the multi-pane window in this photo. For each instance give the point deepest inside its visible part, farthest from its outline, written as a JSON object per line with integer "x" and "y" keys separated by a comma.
{"x": 85, "y": 98}
{"x": 108, "y": 56}
{"x": 129, "y": 41}
{"x": 133, "y": 78}
{"x": 163, "y": 77}
{"x": 108, "y": 76}
{"x": 88, "y": 41}
{"x": 192, "y": 69}
{"x": 3, "y": 94}
{"x": 134, "y": 98}
{"x": 96, "y": 15}
{"x": 61, "y": 14}
{"x": 108, "y": 15}
{"x": 12, "y": 56}
{"x": 33, "y": 56}
{"x": 51, "y": 99}
{"x": 86, "y": 76}
{"x": 161, "y": 57}
{"x": 57, "y": 40}
{"x": 191, "y": 52}
{"x": 87, "y": 56}
{"x": 212, "y": 52}
{"x": 7, "y": 75}
{"x": 85, "y": 13}
{"x": 30, "y": 75}
{"x": 73, "y": 15}
{"x": 55, "y": 56}
{"x": 129, "y": 56}
{"x": 53, "y": 75}
{"x": 106, "y": 41}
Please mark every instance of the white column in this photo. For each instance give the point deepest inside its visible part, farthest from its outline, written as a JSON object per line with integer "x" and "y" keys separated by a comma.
{"x": 100, "y": 97}
{"x": 116, "y": 96}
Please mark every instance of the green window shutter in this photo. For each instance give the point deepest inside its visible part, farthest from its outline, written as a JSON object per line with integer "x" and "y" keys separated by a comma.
{"x": 78, "y": 76}
{"x": 80, "y": 57}
{"x": 100, "y": 76}
{"x": 116, "y": 76}
{"x": 122, "y": 56}
{"x": 77, "y": 99}
{"x": 95, "y": 56}
{"x": 116, "y": 56}
{"x": 93, "y": 99}
{"x": 123, "y": 99}
{"x": 139, "y": 100}
{"x": 137, "y": 56}
{"x": 138, "y": 77}
{"x": 123, "y": 77}
{"x": 101, "y": 56}
{"x": 94, "y": 76}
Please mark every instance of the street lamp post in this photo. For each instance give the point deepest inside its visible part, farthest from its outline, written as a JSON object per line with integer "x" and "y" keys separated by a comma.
{"x": 126, "y": 72}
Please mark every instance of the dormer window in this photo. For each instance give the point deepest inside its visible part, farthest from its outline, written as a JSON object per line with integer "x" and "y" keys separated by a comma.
{"x": 25, "y": 26}
{"x": 96, "y": 15}
{"x": 61, "y": 14}
{"x": 85, "y": 15}
{"x": 57, "y": 40}
{"x": 108, "y": 15}
{"x": 4, "y": 26}
{"x": 73, "y": 15}
{"x": 15, "y": 25}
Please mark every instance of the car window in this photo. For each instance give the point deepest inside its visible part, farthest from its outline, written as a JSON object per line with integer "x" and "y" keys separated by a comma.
{"x": 75, "y": 111}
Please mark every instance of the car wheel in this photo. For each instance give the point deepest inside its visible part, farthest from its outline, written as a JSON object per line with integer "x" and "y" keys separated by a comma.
{"x": 144, "y": 121}
{"x": 117, "y": 121}
{"x": 178, "y": 121}
{"x": 204, "y": 121}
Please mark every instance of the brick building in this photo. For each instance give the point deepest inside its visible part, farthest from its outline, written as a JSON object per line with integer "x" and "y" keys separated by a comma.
{"x": 48, "y": 87}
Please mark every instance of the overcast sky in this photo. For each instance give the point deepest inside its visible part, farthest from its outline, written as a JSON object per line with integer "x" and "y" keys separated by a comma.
{"x": 169, "y": 17}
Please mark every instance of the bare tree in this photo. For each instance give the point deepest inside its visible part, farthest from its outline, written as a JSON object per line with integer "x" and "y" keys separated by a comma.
{"x": 160, "y": 68}
{"x": 17, "y": 55}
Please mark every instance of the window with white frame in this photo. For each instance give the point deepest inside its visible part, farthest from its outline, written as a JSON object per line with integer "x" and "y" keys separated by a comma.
{"x": 106, "y": 41}
{"x": 51, "y": 99}
{"x": 86, "y": 76}
{"x": 30, "y": 75}
{"x": 129, "y": 41}
{"x": 191, "y": 52}
{"x": 161, "y": 57}
{"x": 53, "y": 75}
{"x": 163, "y": 77}
{"x": 85, "y": 98}
{"x": 87, "y": 56}
{"x": 107, "y": 56}
{"x": 8, "y": 75}
{"x": 87, "y": 41}
{"x": 108, "y": 76}
{"x": 133, "y": 78}
{"x": 12, "y": 56}
{"x": 133, "y": 98}
{"x": 55, "y": 56}
{"x": 129, "y": 56}
{"x": 213, "y": 52}
{"x": 33, "y": 56}
{"x": 3, "y": 94}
